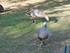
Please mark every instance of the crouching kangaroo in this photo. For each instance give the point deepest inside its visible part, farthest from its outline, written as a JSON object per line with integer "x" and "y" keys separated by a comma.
{"x": 43, "y": 34}
{"x": 36, "y": 13}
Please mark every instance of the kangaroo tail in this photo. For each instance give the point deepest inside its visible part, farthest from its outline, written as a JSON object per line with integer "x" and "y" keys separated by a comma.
{"x": 46, "y": 17}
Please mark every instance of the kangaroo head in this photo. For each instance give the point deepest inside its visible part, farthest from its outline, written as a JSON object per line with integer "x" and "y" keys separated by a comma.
{"x": 44, "y": 24}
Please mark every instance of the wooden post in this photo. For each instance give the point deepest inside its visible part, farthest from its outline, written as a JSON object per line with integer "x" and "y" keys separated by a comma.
{"x": 67, "y": 49}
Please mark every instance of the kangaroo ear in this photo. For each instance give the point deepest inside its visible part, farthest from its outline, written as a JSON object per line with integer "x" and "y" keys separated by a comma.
{"x": 44, "y": 24}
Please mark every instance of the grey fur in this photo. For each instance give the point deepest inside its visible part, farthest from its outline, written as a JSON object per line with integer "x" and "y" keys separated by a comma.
{"x": 43, "y": 33}
{"x": 37, "y": 13}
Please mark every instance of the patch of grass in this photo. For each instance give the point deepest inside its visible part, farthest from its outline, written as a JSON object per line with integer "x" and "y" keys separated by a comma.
{"x": 18, "y": 33}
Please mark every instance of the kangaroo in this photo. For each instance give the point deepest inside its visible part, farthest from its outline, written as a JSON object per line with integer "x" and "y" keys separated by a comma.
{"x": 1, "y": 8}
{"x": 43, "y": 34}
{"x": 37, "y": 13}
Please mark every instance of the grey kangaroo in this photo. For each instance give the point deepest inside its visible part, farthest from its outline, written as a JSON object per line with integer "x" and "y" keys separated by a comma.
{"x": 43, "y": 34}
{"x": 37, "y": 13}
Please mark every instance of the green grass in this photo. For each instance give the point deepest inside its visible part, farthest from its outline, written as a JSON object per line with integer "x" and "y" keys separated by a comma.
{"x": 18, "y": 33}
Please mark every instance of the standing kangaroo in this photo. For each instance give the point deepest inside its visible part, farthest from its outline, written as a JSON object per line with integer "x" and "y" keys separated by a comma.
{"x": 37, "y": 13}
{"x": 43, "y": 34}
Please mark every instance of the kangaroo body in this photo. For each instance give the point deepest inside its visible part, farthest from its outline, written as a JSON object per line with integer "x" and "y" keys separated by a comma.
{"x": 43, "y": 34}
{"x": 35, "y": 13}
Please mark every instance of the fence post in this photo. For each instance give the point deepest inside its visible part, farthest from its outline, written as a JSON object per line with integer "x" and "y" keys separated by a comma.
{"x": 67, "y": 49}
